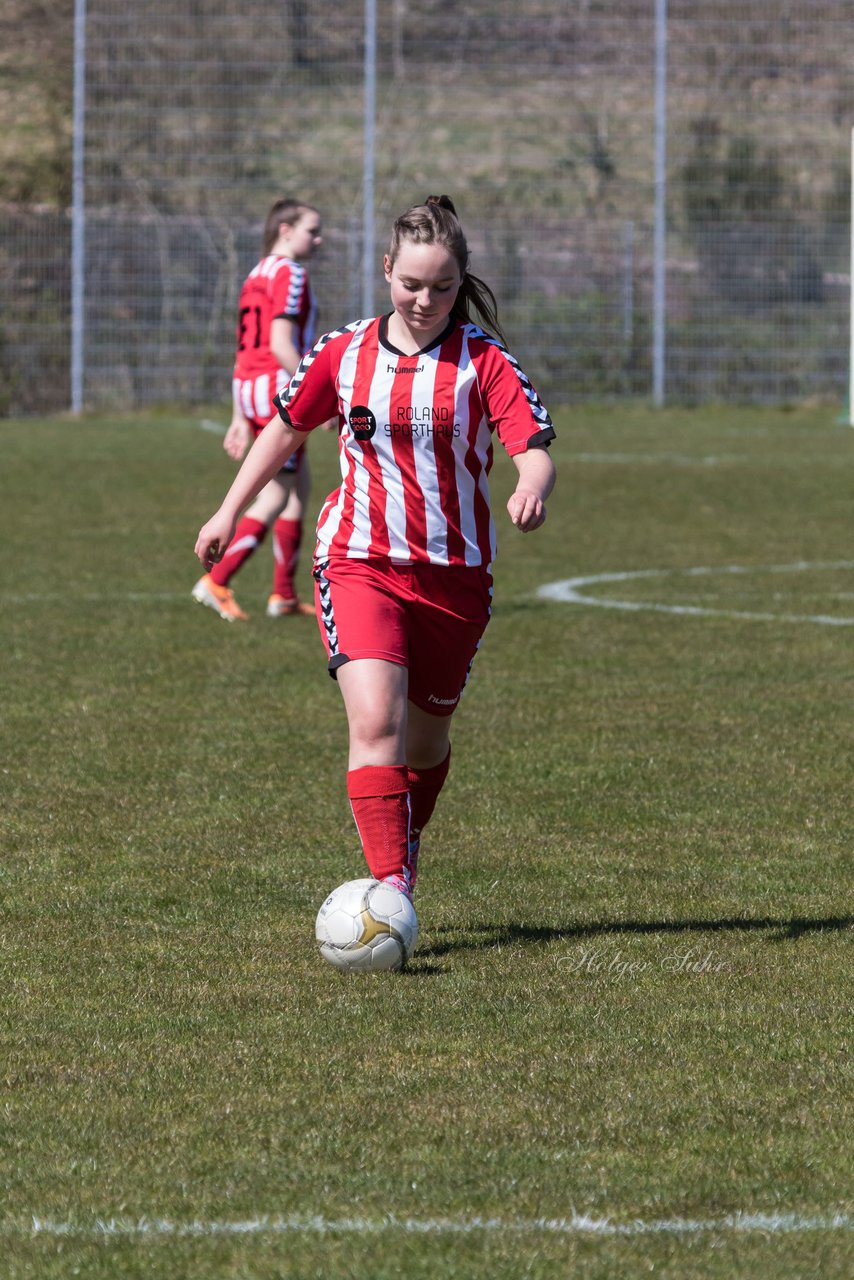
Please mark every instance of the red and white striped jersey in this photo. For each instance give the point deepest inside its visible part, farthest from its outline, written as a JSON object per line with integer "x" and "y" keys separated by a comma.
{"x": 415, "y": 439}
{"x": 277, "y": 288}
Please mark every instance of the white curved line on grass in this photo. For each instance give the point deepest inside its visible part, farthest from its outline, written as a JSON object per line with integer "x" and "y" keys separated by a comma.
{"x": 574, "y": 591}
{"x": 575, "y": 1224}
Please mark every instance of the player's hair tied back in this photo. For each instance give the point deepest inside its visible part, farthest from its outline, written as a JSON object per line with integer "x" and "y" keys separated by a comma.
{"x": 436, "y": 221}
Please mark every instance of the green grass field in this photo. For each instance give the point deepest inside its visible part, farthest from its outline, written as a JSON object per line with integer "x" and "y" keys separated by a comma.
{"x": 623, "y": 1045}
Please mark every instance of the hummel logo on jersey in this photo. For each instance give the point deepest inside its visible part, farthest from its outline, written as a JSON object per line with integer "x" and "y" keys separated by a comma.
{"x": 404, "y": 368}
{"x": 363, "y": 424}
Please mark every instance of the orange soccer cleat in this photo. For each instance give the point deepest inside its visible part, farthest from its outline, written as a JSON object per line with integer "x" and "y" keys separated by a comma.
{"x": 279, "y": 607}
{"x": 221, "y": 599}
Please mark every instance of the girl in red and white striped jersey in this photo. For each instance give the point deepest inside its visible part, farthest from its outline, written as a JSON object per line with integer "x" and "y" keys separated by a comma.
{"x": 275, "y": 328}
{"x": 406, "y": 541}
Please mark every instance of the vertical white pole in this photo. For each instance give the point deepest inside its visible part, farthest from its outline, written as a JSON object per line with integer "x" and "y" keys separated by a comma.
{"x": 368, "y": 253}
{"x": 851, "y": 300}
{"x": 660, "y": 229}
{"x": 78, "y": 209}
{"x": 628, "y": 280}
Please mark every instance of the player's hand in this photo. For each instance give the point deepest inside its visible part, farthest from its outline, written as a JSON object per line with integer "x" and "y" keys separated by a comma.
{"x": 238, "y": 438}
{"x": 526, "y": 509}
{"x": 213, "y": 539}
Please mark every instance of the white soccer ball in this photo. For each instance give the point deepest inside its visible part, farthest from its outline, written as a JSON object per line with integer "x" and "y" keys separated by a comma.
{"x": 367, "y": 926}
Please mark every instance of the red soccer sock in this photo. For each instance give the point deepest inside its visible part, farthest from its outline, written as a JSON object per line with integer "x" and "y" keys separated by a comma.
{"x": 287, "y": 537}
{"x": 379, "y": 798}
{"x": 424, "y": 788}
{"x": 248, "y": 535}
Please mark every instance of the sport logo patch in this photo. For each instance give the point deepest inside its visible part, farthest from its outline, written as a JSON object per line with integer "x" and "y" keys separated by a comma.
{"x": 362, "y": 422}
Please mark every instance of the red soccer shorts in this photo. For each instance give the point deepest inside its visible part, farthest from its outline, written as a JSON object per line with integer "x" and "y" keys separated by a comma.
{"x": 426, "y": 617}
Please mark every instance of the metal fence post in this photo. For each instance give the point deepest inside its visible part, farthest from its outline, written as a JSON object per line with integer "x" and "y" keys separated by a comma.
{"x": 368, "y": 265}
{"x": 660, "y": 229}
{"x": 78, "y": 211}
{"x": 851, "y": 299}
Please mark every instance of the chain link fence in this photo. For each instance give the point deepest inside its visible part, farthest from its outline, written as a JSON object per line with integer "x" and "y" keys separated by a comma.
{"x": 536, "y": 116}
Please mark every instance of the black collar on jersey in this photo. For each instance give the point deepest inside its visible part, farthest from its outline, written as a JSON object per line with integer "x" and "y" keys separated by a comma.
{"x": 437, "y": 342}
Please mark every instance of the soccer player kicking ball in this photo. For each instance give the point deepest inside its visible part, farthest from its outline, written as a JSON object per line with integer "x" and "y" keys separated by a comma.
{"x": 405, "y": 543}
{"x": 275, "y": 328}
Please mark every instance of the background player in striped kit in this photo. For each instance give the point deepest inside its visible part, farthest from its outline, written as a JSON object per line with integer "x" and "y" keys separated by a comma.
{"x": 406, "y": 542}
{"x": 276, "y": 319}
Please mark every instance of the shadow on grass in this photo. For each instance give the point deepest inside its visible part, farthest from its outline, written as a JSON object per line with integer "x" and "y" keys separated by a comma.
{"x": 485, "y": 936}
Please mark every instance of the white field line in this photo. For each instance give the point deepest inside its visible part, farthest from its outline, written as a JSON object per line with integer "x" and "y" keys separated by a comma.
{"x": 566, "y": 591}
{"x": 96, "y": 597}
{"x": 573, "y": 591}
{"x": 575, "y": 1225}
{"x": 660, "y": 459}
{"x": 215, "y": 428}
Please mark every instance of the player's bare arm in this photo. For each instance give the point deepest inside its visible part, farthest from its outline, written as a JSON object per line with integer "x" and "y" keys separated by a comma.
{"x": 283, "y": 334}
{"x": 526, "y": 506}
{"x": 267, "y": 456}
{"x": 238, "y": 437}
